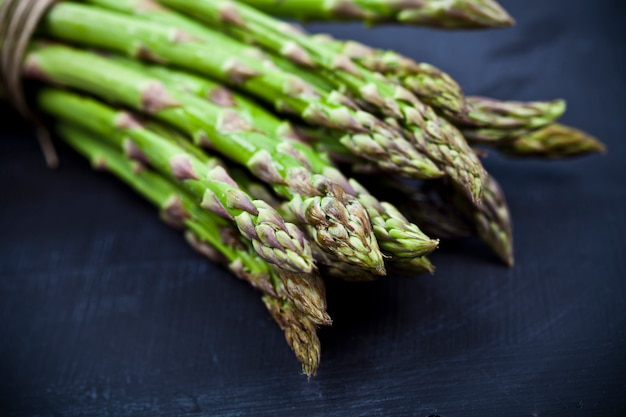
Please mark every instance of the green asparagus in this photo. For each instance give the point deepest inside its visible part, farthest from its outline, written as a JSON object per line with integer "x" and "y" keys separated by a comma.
{"x": 305, "y": 289}
{"x": 493, "y": 220}
{"x": 236, "y": 64}
{"x": 552, "y": 142}
{"x": 433, "y": 136}
{"x": 433, "y": 86}
{"x": 150, "y": 10}
{"x": 454, "y": 14}
{"x": 300, "y": 333}
{"x": 206, "y": 233}
{"x": 275, "y": 240}
{"x": 333, "y": 218}
{"x": 396, "y": 236}
{"x": 485, "y": 112}
{"x": 389, "y": 150}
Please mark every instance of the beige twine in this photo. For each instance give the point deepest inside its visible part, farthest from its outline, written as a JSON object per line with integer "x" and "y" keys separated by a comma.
{"x": 18, "y": 21}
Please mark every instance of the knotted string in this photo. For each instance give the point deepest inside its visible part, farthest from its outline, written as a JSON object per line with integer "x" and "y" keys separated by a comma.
{"x": 18, "y": 21}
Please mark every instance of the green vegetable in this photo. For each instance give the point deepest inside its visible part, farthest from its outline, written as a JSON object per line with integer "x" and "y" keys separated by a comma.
{"x": 455, "y": 14}
{"x": 433, "y": 136}
{"x": 210, "y": 235}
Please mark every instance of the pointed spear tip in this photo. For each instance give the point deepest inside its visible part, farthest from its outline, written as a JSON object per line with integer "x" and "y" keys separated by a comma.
{"x": 501, "y": 17}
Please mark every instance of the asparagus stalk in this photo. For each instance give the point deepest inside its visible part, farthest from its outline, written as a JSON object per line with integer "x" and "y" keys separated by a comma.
{"x": 492, "y": 135}
{"x": 496, "y": 114}
{"x": 211, "y": 236}
{"x": 177, "y": 207}
{"x": 433, "y": 86}
{"x": 300, "y": 333}
{"x": 407, "y": 259}
{"x": 299, "y": 328}
{"x": 389, "y": 151}
{"x": 434, "y": 137}
{"x": 349, "y": 273}
{"x": 346, "y": 272}
{"x": 493, "y": 221}
{"x": 411, "y": 262}
{"x": 330, "y": 267}
{"x": 507, "y": 125}
{"x": 429, "y": 83}
{"x": 150, "y": 10}
{"x": 306, "y": 290}
{"x": 455, "y": 14}
{"x": 330, "y": 215}
{"x": 552, "y": 142}
{"x": 396, "y": 236}
{"x": 328, "y": 264}
{"x": 524, "y": 129}
{"x": 481, "y": 119}
{"x": 275, "y": 240}
{"x": 234, "y": 64}
{"x": 487, "y": 120}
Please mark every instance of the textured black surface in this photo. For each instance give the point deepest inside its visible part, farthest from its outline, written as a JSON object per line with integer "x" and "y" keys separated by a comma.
{"x": 106, "y": 312}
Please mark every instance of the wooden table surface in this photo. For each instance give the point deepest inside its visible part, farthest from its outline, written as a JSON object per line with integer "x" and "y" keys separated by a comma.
{"x": 104, "y": 311}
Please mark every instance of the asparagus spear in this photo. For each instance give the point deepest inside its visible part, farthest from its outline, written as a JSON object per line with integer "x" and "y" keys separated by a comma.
{"x": 430, "y": 84}
{"x": 300, "y": 329}
{"x": 524, "y": 129}
{"x": 150, "y": 10}
{"x": 402, "y": 249}
{"x": 232, "y": 63}
{"x": 211, "y": 236}
{"x": 275, "y": 240}
{"x": 300, "y": 333}
{"x": 485, "y": 112}
{"x": 492, "y": 135}
{"x": 405, "y": 253}
{"x": 390, "y": 151}
{"x": 434, "y": 137}
{"x": 507, "y": 125}
{"x": 346, "y": 272}
{"x": 396, "y": 236}
{"x": 331, "y": 216}
{"x": 481, "y": 119}
{"x": 491, "y": 120}
{"x": 402, "y": 242}
{"x": 552, "y": 142}
{"x": 493, "y": 220}
{"x": 407, "y": 262}
{"x": 433, "y": 86}
{"x": 454, "y": 14}
{"x": 329, "y": 265}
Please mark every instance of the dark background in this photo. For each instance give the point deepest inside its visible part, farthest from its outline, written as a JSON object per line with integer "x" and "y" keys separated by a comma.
{"x": 105, "y": 311}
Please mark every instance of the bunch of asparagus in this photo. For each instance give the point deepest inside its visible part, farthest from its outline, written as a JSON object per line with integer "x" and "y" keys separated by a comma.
{"x": 246, "y": 134}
